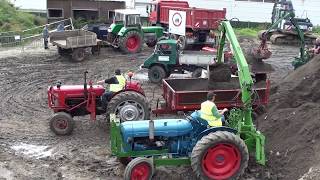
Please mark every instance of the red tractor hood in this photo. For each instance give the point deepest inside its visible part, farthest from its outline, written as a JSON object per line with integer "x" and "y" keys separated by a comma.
{"x": 77, "y": 90}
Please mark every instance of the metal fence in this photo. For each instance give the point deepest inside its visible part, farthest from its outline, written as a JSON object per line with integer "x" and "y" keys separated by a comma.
{"x": 29, "y": 38}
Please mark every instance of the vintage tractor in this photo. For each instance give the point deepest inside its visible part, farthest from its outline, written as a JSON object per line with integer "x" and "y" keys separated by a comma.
{"x": 213, "y": 152}
{"x": 68, "y": 101}
{"x": 127, "y": 34}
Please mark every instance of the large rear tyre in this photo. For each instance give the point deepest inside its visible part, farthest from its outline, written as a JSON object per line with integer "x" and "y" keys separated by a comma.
{"x": 131, "y": 42}
{"x": 129, "y": 106}
{"x": 219, "y": 155}
{"x": 61, "y": 123}
{"x": 139, "y": 169}
{"x": 156, "y": 74}
{"x": 78, "y": 54}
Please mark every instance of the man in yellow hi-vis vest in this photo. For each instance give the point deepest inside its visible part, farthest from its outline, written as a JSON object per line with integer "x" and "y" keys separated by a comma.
{"x": 117, "y": 83}
{"x": 209, "y": 111}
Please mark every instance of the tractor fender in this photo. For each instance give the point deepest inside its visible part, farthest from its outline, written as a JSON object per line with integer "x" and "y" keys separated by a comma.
{"x": 215, "y": 129}
{"x": 123, "y": 31}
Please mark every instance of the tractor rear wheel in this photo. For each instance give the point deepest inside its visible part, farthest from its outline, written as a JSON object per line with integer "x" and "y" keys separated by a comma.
{"x": 129, "y": 106}
{"x": 61, "y": 123}
{"x": 139, "y": 168}
{"x": 156, "y": 74}
{"x": 219, "y": 155}
{"x": 131, "y": 42}
{"x": 78, "y": 54}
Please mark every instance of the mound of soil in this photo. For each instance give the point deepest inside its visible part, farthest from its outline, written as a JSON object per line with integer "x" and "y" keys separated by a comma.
{"x": 292, "y": 123}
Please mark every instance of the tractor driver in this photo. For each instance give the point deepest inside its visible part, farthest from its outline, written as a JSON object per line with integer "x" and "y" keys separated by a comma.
{"x": 316, "y": 48}
{"x": 209, "y": 111}
{"x": 116, "y": 83}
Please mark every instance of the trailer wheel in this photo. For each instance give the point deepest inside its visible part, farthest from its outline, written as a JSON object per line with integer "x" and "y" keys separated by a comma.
{"x": 61, "y": 123}
{"x": 129, "y": 106}
{"x": 219, "y": 155}
{"x": 156, "y": 74}
{"x": 139, "y": 168}
{"x": 63, "y": 52}
{"x": 197, "y": 73}
{"x": 131, "y": 42}
{"x": 78, "y": 54}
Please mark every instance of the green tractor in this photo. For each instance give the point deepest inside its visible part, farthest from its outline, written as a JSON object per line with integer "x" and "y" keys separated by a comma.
{"x": 127, "y": 33}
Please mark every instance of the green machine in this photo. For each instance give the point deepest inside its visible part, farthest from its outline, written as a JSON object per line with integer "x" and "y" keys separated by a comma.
{"x": 262, "y": 52}
{"x": 212, "y": 152}
{"x": 167, "y": 59}
{"x": 127, "y": 33}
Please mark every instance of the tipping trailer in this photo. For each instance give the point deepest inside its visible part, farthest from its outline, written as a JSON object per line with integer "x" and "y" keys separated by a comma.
{"x": 188, "y": 94}
{"x": 74, "y": 43}
{"x": 198, "y": 23}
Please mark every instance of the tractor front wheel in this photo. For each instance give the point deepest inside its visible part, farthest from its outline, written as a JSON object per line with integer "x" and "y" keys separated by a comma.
{"x": 129, "y": 106}
{"x": 219, "y": 155}
{"x": 78, "y": 54}
{"x": 61, "y": 123}
{"x": 156, "y": 74}
{"x": 131, "y": 42}
{"x": 139, "y": 168}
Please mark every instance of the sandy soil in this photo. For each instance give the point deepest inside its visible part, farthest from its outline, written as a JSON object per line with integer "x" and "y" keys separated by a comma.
{"x": 29, "y": 150}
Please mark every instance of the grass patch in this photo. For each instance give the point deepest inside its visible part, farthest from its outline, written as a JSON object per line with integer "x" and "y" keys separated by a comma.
{"x": 13, "y": 20}
{"x": 247, "y": 32}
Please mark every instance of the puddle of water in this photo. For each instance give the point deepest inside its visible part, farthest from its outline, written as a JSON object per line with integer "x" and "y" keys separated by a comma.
{"x": 33, "y": 150}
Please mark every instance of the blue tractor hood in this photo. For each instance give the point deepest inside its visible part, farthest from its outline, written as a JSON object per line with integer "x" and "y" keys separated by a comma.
{"x": 162, "y": 127}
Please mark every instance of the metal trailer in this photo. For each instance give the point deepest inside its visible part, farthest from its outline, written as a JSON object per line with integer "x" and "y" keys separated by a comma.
{"x": 179, "y": 97}
{"x": 75, "y": 43}
{"x": 199, "y": 21}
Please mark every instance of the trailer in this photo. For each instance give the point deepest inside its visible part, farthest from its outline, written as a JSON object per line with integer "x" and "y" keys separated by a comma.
{"x": 188, "y": 94}
{"x": 75, "y": 43}
{"x": 198, "y": 22}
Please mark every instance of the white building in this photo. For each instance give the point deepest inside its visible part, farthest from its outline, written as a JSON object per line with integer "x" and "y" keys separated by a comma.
{"x": 247, "y": 10}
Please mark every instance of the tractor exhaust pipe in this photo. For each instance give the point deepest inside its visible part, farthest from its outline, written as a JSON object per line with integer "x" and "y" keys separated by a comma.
{"x": 151, "y": 130}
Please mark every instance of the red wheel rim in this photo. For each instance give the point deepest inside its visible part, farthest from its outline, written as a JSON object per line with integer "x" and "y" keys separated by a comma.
{"x": 133, "y": 43}
{"x": 221, "y": 161}
{"x": 141, "y": 171}
{"x": 61, "y": 124}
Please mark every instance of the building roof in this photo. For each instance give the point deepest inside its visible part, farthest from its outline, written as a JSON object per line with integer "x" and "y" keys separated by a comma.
{"x": 127, "y": 11}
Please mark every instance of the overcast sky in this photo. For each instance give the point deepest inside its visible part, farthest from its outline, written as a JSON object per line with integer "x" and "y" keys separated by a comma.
{"x": 30, "y": 4}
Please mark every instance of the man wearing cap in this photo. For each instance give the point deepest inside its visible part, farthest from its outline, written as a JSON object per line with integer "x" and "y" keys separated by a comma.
{"x": 209, "y": 111}
{"x": 117, "y": 83}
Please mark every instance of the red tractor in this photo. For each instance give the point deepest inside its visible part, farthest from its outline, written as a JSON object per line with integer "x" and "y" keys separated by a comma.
{"x": 68, "y": 101}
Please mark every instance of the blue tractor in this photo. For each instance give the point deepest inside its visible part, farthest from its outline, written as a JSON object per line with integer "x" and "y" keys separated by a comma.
{"x": 213, "y": 152}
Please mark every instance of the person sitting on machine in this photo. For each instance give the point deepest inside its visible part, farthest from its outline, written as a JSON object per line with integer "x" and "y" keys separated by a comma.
{"x": 210, "y": 113}
{"x": 316, "y": 48}
{"x": 117, "y": 83}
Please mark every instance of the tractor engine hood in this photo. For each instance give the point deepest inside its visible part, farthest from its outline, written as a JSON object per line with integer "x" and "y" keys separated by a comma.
{"x": 76, "y": 90}
{"x": 162, "y": 127}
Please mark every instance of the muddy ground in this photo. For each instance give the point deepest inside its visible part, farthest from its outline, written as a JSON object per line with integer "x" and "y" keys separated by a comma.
{"x": 29, "y": 150}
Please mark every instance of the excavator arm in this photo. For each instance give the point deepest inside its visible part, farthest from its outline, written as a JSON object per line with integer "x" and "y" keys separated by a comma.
{"x": 254, "y": 139}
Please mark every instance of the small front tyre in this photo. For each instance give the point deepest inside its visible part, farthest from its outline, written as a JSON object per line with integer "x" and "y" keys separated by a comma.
{"x": 139, "y": 169}
{"x": 61, "y": 123}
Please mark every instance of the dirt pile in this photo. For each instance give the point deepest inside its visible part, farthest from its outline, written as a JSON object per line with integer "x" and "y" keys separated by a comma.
{"x": 292, "y": 123}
